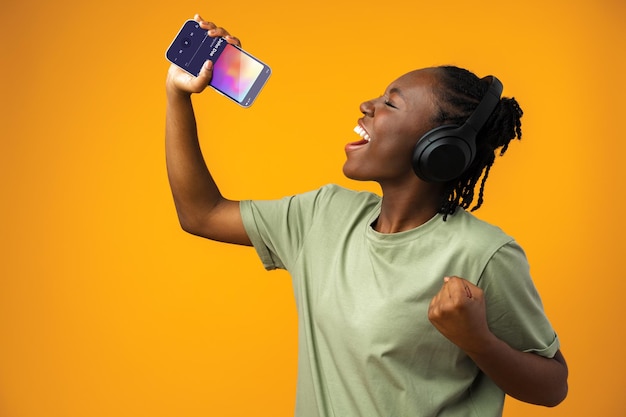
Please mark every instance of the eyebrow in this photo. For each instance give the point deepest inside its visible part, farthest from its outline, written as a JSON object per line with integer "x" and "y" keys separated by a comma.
{"x": 396, "y": 90}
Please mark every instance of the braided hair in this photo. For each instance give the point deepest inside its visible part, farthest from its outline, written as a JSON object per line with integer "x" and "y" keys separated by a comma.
{"x": 458, "y": 94}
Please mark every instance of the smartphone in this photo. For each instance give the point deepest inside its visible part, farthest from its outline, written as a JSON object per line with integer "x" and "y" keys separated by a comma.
{"x": 236, "y": 74}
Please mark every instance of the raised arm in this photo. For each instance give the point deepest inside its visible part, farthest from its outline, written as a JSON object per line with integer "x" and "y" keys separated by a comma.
{"x": 458, "y": 312}
{"x": 201, "y": 208}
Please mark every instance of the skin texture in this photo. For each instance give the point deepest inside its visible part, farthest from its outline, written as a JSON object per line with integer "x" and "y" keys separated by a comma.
{"x": 394, "y": 122}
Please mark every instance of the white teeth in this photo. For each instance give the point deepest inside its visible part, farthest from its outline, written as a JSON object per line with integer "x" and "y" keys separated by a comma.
{"x": 361, "y": 132}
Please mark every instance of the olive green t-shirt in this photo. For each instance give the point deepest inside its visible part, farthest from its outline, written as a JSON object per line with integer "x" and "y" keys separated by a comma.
{"x": 366, "y": 346}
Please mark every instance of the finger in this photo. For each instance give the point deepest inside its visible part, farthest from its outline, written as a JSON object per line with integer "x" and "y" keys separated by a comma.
{"x": 458, "y": 287}
{"x": 434, "y": 308}
{"x": 448, "y": 287}
{"x": 468, "y": 291}
{"x": 203, "y": 23}
{"x": 233, "y": 40}
{"x": 465, "y": 284}
{"x": 215, "y": 32}
{"x": 435, "y": 300}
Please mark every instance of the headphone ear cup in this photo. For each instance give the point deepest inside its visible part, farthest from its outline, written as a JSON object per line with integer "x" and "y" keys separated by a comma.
{"x": 442, "y": 154}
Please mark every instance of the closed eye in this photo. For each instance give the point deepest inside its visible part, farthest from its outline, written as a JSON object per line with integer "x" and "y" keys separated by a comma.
{"x": 397, "y": 95}
{"x": 389, "y": 103}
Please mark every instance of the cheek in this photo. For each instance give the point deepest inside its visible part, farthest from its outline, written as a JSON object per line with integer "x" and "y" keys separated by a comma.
{"x": 395, "y": 161}
{"x": 398, "y": 149}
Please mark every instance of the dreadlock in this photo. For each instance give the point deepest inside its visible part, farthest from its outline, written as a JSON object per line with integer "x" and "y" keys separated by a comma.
{"x": 458, "y": 94}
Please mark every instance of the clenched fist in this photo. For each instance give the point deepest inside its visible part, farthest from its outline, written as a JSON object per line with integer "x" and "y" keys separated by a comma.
{"x": 458, "y": 312}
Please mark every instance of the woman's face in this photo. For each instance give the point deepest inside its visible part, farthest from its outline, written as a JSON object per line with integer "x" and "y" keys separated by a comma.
{"x": 390, "y": 127}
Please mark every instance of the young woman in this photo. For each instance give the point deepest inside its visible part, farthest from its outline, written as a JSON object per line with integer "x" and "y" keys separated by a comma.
{"x": 408, "y": 305}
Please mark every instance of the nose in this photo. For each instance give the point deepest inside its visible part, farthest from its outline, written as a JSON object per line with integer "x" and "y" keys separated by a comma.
{"x": 367, "y": 108}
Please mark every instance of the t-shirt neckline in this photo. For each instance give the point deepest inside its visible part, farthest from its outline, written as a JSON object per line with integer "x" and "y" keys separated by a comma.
{"x": 399, "y": 237}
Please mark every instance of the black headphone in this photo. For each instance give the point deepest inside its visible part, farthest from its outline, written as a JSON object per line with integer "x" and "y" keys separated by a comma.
{"x": 444, "y": 152}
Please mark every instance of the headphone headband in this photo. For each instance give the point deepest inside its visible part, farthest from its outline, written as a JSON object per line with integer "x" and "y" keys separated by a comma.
{"x": 487, "y": 105}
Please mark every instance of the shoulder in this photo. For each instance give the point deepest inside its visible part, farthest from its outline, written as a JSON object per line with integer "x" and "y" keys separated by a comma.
{"x": 467, "y": 224}
{"x": 339, "y": 191}
{"x": 475, "y": 237}
{"x": 329, "y": 198}
{"x": 333, "y": 195}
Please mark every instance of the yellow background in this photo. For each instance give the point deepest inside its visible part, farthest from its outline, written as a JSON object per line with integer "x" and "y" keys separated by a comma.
{"x": 108, "y": 309}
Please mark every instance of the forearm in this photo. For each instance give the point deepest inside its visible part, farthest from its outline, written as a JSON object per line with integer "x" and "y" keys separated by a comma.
{"x": 458, "y": 312}
{"x": 525, "y": 376}
{"x": 193, "y": 188}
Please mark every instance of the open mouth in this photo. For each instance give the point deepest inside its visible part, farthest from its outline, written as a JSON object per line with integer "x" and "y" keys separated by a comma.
{"x": 365, "y": 139}
{"x": 362, "y": 133}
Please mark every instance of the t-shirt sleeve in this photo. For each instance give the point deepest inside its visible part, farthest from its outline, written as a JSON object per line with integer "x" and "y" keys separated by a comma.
{"x": 514, "y": 309}
{"x": 277, "y": 228}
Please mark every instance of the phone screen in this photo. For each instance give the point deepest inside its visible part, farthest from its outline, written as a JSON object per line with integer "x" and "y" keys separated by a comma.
{"x": 236, "y": 74}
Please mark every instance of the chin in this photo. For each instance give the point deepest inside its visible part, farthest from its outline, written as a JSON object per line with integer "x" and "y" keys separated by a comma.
{"x": 362, "y": 172}
{"x": 352, "y": 173}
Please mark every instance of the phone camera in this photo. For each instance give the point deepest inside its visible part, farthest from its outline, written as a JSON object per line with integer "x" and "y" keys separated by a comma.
{"x": 186, "y": 42}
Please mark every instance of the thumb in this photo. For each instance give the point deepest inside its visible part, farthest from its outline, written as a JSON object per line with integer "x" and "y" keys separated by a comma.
{"x": 206, "y": 73}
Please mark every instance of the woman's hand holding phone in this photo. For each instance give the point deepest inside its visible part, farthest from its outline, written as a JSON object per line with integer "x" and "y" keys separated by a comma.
{"x": 181, "y": 81}
{"x": 233, "y": 72}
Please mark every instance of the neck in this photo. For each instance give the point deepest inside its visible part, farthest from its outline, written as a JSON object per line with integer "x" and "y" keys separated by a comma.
{"x": 403, "y": 210}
